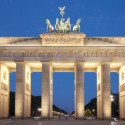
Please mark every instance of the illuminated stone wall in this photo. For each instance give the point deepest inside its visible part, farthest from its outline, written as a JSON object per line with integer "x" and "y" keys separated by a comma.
{"x": 61, "y": 53}
{"x": 103, "y": 92}
{"x": 4, "y": 91}
{"x": 79, "y": 90}
{"x": 46, "y": 98}
{"x": 23, "y": 91}
{"x": 122, "y": 92}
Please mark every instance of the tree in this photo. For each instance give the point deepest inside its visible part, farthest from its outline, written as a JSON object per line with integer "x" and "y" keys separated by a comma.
{"x": 35, "y": 104}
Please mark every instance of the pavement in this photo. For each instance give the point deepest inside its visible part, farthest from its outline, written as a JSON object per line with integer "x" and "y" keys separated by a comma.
{"x": 59, "y": 122}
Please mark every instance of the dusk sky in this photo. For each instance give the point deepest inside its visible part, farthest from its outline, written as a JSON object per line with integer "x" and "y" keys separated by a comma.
{"x": 28, "y": 18}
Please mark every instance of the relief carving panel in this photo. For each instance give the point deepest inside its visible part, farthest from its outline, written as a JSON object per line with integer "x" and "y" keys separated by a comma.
{"x": 98, "y": 87}
{"x": 70, "y": 39}
{"x": 73, "y": 54}
{"x": 122, "y": 88}
{"x": 4, "y": 87}
{"x": 28, "y": 88}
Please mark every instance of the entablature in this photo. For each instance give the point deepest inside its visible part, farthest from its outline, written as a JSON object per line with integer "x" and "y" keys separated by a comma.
{"x": 59, "y": 66}
{"x": 62, "y": 39}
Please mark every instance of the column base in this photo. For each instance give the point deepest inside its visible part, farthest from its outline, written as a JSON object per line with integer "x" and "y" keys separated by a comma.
{"x": 123, "y": 119}
{"x": 46, "y": 118}
{"x": 22, "y": 118}
{"x": 1, "y": 118}
{"x": 108, "y": 119}
{"x": 80, "y": 118}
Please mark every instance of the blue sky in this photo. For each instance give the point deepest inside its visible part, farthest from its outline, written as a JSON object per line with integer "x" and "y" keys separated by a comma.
{"x": 99, "y": 18}
{"x": 27, "y": 17}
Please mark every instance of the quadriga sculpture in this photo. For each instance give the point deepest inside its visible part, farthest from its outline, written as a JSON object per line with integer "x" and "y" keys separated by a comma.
{"x": 76, "y": 28}
{"x": 49, "y": 26}
{"x": 64, "y": 27}
{"x": 57, "y": 26}
{"x": 68, "y": 25}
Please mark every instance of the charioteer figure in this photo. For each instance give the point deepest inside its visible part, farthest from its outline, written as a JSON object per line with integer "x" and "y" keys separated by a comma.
{"x": 64, "y": 26}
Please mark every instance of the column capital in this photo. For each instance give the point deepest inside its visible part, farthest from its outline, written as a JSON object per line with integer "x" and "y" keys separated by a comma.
{"x": 79, "y": 62}
{"x": 19, "y": 62}
{"x": 19, "y": 59}
{"x": 49, "y": 63}
{"x": 46, "y": 62}
{"x": 106, "y": 59}
{"x": 103, "y": 62}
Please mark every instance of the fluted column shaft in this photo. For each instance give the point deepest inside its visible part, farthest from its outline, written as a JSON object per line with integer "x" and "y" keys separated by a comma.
{"x": 79, "y": 90}
{"x": 4, "y": 91}
{"x": 23, "y": 91}
{"x": 103, "y": 92}
{"x": 46, "y": 98}
{"x": 122, "y": 92}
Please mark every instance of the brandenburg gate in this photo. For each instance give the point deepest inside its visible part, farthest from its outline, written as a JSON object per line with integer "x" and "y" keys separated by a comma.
{"x": 62, "y": 51}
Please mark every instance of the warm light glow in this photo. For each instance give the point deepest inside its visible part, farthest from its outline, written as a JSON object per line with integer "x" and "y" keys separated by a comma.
{"x": 35, "y": 65}
{"x": 115, "y": 65}
{"x": 39, "y": 109}
{"x": 112, "y": 98}
{"x": 80, "y": 110}
{"x": 63, "y": 65}
{"x": 11, "y": 65}
{"x": 45, "y": 107}
{"x": 90, "y": 65}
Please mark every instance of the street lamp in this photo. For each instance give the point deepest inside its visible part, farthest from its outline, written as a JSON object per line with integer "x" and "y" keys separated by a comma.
{"x": 39, "y": 109}
{"x": 93, "y": 111}
{"x": 112, "y": 99}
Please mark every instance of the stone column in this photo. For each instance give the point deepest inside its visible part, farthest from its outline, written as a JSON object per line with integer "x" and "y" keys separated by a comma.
{"x": 4, "y": 91}
{"x": 122, "y": 92}
{"x": 51, "y": 92}
{"x": 103, "y": 92}
{"x": 79, "y": 90}
{"x": 46, "y": 98}
{"x": 23, "y": 91}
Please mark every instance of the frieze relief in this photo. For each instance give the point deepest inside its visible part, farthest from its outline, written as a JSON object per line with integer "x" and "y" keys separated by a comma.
{"x": 122, "y": 88}
{"x": 4, "y": 87}
{"x": 98, "y": 87}
{"x": 122, "y": 76}
{"x": 28, "y": 88}
{"x": 63, "y": 41}
{"x": 98, "y": 74}
{"x": 77, "y": 54}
